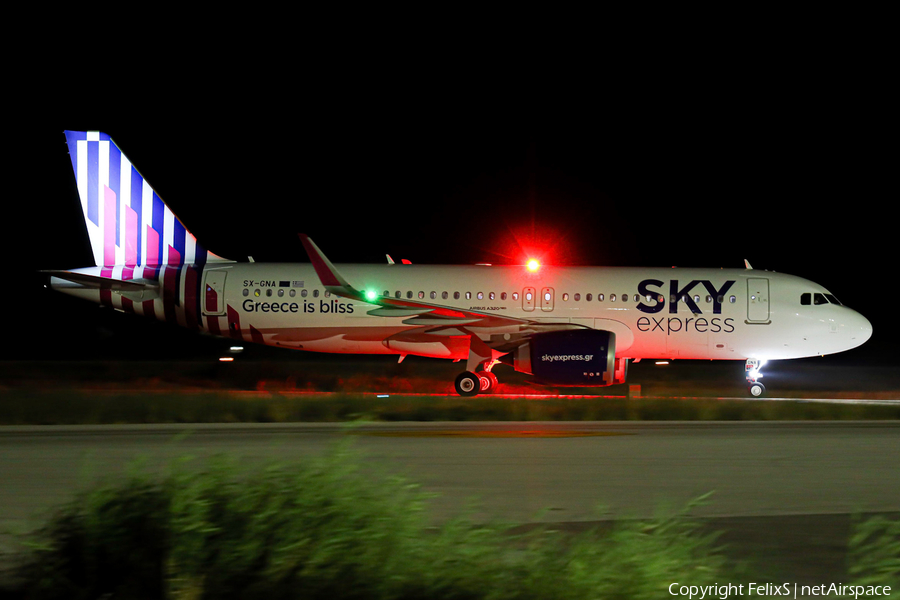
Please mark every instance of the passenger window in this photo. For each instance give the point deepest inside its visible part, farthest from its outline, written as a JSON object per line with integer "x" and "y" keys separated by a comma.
{"x": 409, "y": 295}
{"x": 433, "y": 295}
{"x": 503, "y": 295}
{"x": 280, "y": 293}
{"x": 456, "y": 295}
{"x": 246, "y": 291}
{"x": 588, "y": 298}
{"x": 612, "y": 297}
{"x": 256, "y": 293}
{"x": 444, "y": 295}
{"x": 491, "y": 296}
{"x": 576, "y": 297}
{"x": 600, "y": 298}
{"x": 421, "y": 295}
{"x": 292, "y": 293}
{"x": 565, "y": 297}
{"x": 397, "y": 294}
{"x": 515, "y": 295}
{"x": 481, "y": 295}
{"x": 805, "y": 299}
{"x": 315, "y": 293}
{"x": 528, "y": 296}
{"x": 468, "y": 295}
{"x": 304, "y": 293}
{"x": 387, "y": 293}
{"x": 732, "y": 299}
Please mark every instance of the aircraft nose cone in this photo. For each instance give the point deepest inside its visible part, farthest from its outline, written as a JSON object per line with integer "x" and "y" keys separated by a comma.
{"x": 860, "y": 329}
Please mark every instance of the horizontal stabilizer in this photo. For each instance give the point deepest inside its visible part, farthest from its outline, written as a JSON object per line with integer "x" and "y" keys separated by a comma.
{"x": 134, "y": 289}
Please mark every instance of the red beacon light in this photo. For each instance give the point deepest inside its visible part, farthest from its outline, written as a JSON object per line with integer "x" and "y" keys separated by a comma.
{"x": 533, "y": 265}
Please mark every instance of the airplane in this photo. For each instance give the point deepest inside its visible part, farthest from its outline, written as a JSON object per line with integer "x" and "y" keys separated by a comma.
{"x": 563, "y": 325}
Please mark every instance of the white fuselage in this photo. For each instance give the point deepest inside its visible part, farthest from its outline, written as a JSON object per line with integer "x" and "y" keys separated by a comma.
{"x": 717, "y": 314}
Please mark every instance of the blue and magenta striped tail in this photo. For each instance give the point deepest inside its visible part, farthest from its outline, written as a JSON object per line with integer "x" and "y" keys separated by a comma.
{"x": 127, "y": 222}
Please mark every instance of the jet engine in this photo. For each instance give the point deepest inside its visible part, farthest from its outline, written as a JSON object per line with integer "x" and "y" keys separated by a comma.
{"x": 581, "y": 357}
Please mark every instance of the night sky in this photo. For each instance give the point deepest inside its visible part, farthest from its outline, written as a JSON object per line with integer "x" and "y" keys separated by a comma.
{"x": 788, "y": 163}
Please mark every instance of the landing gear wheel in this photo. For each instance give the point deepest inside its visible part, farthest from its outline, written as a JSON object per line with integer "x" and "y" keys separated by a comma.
{"x": 756, "y": 389}
{"x": 488, "y": 381}
{"x": 467, "y": 384}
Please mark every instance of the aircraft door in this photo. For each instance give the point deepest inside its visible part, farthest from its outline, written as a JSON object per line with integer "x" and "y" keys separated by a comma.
{"x": 758, "y": 300}
{"x": 214, "y": 293}
{"x": 528, "y": 299}
{"x": 546, "y": 299}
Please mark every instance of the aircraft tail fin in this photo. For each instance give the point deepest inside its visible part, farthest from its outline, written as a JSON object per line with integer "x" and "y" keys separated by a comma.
{"x": 127, "y": 222}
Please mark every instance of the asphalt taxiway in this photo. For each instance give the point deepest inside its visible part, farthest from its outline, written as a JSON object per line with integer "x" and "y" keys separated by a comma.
{"x": 784, "y": 492}
{"x": 519, "y": 472}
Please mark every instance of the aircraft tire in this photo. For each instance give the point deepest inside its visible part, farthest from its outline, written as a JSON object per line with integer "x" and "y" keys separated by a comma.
{"x": 467, "y": 384}
{"x": 757, "y": 390}
{"x": 488, "y": 381}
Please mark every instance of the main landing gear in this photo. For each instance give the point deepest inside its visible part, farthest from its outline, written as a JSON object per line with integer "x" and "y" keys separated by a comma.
{"x": 474, "y": 381}
{"x": 480, "y": 382}
{"x": 754, "y": 386}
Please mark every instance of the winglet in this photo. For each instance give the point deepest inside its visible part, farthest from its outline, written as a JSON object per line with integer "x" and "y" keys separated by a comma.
{"x": 324, "y": 269}
{"x": 747, "y": 264}
{"x": 328, "y": 275}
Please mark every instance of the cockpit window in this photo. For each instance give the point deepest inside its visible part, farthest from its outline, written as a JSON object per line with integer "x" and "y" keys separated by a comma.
{"x": 818, "y": 299}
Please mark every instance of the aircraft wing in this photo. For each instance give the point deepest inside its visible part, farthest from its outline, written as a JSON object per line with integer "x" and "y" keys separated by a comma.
{"x": 441, "y": 320}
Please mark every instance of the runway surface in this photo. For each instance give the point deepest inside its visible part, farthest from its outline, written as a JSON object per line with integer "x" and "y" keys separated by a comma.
{"x": 513, "y": 471}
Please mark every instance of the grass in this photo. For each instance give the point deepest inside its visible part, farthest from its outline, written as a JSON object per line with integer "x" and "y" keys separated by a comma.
{"x": 329, "y": 528}
{"x": 316, "y": 388}
{"x": 71, "y": 407}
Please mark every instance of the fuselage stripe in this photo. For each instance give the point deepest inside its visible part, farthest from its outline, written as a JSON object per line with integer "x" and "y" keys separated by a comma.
{"x": 190, "y": 297}
{"x": 106, "y": 295}
{"x": 127, "y": 305}
{"x": 234, "y": 324}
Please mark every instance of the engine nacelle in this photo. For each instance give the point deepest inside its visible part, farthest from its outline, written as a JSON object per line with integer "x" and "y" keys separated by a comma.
{"x": 580, "y": 357}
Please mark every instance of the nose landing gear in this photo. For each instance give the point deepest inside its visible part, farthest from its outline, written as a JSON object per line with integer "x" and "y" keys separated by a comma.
{"x": 752, "y": 369}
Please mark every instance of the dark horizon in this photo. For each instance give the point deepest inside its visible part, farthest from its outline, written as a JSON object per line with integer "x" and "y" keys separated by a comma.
{"x": 795, "y": 182}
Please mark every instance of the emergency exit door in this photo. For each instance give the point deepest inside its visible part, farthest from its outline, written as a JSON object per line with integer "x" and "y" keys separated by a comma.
{"x": 757, "y": 300}
{"x": 528, "y": 299}
{"x": 546, "y": 299}
{"x": 214, "y": 293}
